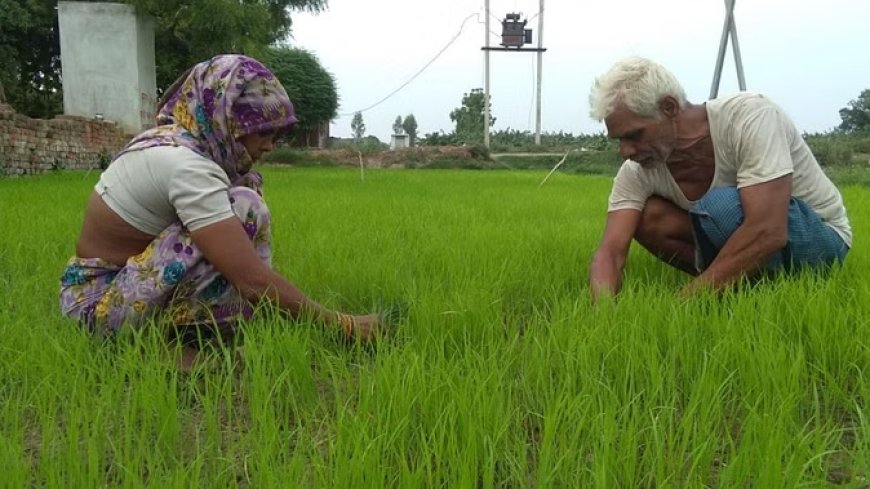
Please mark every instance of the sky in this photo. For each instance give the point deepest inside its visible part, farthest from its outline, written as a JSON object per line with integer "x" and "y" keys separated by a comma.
{"x": 812, "y": 57}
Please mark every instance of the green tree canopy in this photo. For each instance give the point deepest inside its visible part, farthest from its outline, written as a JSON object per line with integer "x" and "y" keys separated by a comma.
{"x": 856, "y": 117}
{"x": 185, "y": 32}
{"x": 410, "y": 127}
{"x": 470, "y": 116}
{"x": 309, "y": 85}
{"x": 189, "y": 31}
{"x": 30, "y": 54}
{"x": 357, "y": 126}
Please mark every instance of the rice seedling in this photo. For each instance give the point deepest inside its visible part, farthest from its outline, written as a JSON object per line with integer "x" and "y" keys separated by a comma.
{"x": 498, "y": 372}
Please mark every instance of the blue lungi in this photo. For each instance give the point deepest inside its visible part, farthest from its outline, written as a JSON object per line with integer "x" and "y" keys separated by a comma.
{"x": 811, "y": 242}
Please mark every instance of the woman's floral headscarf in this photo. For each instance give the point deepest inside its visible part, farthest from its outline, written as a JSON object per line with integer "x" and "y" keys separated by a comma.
{"x": 214, "y": 104}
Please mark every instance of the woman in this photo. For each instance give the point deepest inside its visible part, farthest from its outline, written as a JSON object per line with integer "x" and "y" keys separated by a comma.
{"x": 177, "y": 224}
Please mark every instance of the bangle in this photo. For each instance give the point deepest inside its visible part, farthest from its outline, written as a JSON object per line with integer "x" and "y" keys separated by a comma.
{"x": 346, "y": 322}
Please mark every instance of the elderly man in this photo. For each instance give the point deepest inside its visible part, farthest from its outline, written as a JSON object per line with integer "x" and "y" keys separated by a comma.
{"x": 721, "y": 190}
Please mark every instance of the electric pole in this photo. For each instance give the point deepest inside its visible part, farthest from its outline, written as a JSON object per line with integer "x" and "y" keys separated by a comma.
{"x": 486, "y": 82}
{"x": 514, "y": 35}
{"x": 730, "y": 28}
{"x": 540, "y": 71}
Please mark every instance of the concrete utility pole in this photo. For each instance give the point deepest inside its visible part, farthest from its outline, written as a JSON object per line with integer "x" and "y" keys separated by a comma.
{"x": 540, "y": 71}
{"x": 514, "y": 36}
{"x": 730, "y": 28}
{"x": 486, "y": 81}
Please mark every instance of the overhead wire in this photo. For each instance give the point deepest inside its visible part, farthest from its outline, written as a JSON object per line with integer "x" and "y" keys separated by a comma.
{"x": 420, "y": 71}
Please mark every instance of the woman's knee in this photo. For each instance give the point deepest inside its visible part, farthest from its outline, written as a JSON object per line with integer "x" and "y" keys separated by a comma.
{"x": 245, "y": 199}
{"x": 251, "y": 209}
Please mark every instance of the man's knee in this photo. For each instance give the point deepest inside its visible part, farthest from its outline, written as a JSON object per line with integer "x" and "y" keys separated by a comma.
{"x": 665, "y": 231}
{"x": 717, "y": 215}
{"x": 662, "y": 219}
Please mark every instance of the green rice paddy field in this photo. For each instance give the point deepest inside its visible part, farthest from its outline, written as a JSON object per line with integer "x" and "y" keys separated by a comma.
{"x": 500, "y": 373}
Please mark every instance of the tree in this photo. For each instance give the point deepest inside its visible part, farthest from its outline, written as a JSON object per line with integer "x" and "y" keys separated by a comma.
{"x": 358, "y": 126}
{"x": 439, "y": 139}
{"x": 309, "y": 85}
{"x": 410, "y": 127}
{"x": 30, "y": 50}
{"x": 189, "y": 31}
{"x": 185, "y": 32}
{"x": 856, "y": 117}
{"x": 397, "y": 125}
{"x": 469, "y": 118}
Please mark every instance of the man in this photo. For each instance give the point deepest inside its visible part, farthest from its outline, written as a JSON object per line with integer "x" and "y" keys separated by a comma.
{"x": 721, "y": 190}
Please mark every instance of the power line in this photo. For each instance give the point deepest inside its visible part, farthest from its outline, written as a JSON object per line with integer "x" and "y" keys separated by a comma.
{"x": 418, "y": 73}
{"x": 492, "y": 32}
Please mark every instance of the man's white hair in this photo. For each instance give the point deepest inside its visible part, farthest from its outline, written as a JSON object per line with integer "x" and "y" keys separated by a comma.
{"x": 638, "y": 83}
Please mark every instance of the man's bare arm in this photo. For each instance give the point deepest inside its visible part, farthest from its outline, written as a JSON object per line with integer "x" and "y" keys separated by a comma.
{"x": 605, "y": 271}
{"x": 764, "y": 232}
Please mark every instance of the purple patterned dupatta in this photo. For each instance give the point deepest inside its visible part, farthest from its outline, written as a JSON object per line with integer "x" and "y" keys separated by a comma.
{"x": 213, "y": 105}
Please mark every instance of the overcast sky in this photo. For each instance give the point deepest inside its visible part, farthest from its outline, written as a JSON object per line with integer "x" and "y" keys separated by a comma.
{"x": 810, "y": 56}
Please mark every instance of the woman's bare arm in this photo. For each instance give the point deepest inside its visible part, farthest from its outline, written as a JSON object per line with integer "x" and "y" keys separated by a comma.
{"x": 226, "y": 246}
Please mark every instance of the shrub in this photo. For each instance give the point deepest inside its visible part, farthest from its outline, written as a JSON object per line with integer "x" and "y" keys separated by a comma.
{"x": 861, "y": 144}
{"x": 297, "y": 157}
{"x": 479, "y": 152}
{"x": 830, "y": 149}
{"x": 103, "y": 160}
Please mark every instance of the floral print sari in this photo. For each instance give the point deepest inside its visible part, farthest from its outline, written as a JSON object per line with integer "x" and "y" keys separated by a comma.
{"x": 207, "y": 110}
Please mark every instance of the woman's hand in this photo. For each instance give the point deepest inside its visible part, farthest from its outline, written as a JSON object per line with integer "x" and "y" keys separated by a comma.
{"x": 365, "y": 328}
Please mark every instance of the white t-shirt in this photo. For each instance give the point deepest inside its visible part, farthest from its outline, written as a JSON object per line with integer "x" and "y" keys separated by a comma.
{"x": 753, "y": 142}
{"x": 154, "y": 187}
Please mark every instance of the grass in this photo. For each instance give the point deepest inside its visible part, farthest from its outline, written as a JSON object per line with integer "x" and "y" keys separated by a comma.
{"x": 501, "y": 374}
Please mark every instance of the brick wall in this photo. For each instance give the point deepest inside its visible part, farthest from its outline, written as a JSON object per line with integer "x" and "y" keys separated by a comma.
{"x": 65, "y": 142}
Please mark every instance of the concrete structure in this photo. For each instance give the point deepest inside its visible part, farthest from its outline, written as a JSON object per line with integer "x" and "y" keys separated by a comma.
{"x": 313, "y": 138}
{"x": 107, "y": 61}
{"x": 398, "y": 141}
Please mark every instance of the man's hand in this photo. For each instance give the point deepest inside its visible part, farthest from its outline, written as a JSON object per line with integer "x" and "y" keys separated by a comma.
{"x": 605, "y": 271}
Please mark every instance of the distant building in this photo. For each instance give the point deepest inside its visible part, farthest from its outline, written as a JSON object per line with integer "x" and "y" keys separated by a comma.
{"x": 398, "y": 141}
{"x": 107, "y": 62}
{"x": 317, "y": 137}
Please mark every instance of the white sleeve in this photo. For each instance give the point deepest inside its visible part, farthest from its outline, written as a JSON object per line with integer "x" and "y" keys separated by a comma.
{"x": 629, "y": 190}
{"x": 763, "y": 148}
{"x": 199, "y": 192}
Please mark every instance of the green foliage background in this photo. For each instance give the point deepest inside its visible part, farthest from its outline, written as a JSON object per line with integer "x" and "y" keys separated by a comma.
{"x": 186, "y": 32}
{"x": 311, "y": 88}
